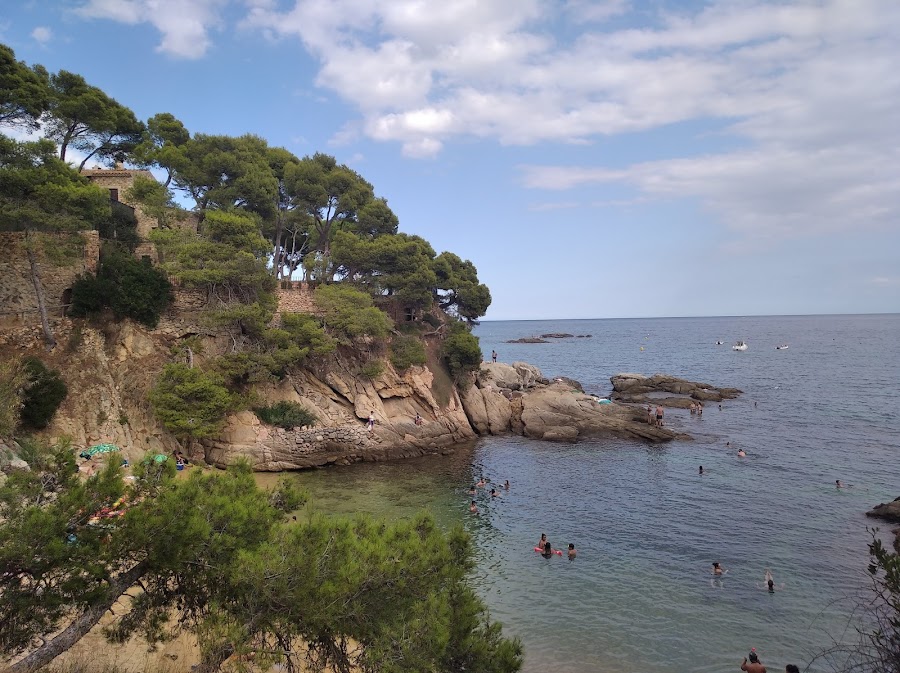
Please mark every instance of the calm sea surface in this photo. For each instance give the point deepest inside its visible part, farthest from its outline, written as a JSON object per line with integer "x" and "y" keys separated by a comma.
{"x": 639, "y": 597}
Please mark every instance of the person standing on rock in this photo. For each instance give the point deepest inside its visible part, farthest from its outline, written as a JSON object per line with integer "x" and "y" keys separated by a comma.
{"x": 659, "y": 416}
{"x": 493, "y": 356}
{"x": 371, "y": 422}
{"x": 649, "y": 415}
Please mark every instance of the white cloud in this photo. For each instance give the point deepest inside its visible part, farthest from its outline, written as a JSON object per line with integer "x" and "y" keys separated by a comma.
{"x": 184, "y": 24}
{"x": 42, "y": 34}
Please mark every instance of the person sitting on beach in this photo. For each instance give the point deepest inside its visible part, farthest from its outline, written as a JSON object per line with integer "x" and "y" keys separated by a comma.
{"x": 741, "y": 453}
{"x": 473, "y": 507}
{"x": 754, "y": 666}
{"x": 717, "y": 569}
{"x": 572, "y": 552}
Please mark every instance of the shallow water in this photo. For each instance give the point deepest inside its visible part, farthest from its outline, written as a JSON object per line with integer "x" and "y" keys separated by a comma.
{"x": 640, "y": 597}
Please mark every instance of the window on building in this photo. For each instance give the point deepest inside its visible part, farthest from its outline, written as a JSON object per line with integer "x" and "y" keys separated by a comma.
{"x": 113, "y": 194}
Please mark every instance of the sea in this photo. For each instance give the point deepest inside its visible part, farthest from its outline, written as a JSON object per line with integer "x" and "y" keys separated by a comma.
{"x": 640, "y": 596}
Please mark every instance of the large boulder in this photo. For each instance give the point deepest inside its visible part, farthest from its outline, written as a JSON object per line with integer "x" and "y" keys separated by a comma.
{"x": 889, "y": 511}
{"x": 637, "y": 388}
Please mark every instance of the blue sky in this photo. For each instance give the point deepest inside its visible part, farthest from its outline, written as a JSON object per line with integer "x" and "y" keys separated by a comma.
{"x": 597, "y": 159}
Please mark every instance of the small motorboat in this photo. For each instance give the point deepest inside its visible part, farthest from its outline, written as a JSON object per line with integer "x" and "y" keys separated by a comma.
{"x": 740, "y": 346}
{"x": 782, "y": 347}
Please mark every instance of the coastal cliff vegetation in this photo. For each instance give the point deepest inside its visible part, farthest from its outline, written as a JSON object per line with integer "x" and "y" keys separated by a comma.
{"x": 235, "y": 221}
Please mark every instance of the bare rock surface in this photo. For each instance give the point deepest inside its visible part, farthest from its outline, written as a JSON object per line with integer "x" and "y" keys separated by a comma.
{"x": 637, "y": 388}
{"x": 889, "y": 511}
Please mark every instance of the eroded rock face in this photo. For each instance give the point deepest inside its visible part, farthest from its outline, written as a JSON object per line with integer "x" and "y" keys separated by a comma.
{"x": 889, "y": 511}
{"x": 637, "y": 388}
{"x": 518, "y": 398}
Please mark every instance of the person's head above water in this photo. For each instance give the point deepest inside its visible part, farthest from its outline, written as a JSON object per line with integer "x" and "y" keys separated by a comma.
{"x": 752, "y": 656}
{"x": 771, "y": 584}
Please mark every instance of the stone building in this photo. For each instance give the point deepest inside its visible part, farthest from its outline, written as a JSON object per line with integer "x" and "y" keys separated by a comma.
{"x": 118, "y": 181}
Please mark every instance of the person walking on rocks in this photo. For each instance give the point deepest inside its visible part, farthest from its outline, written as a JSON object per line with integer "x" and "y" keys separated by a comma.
{"x": 493, "y": 356}
{"x": 371, "y": 422}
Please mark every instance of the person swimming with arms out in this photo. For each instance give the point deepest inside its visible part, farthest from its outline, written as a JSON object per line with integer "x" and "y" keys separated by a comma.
{"x": 769, "y": 582}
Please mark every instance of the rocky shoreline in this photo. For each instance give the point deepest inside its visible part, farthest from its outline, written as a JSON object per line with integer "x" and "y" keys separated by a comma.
{"x": 640, "y": 389}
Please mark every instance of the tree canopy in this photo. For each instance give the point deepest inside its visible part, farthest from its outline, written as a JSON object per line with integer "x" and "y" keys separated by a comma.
{"x": 219, "y": 555}
{"x": 24, "y": 92}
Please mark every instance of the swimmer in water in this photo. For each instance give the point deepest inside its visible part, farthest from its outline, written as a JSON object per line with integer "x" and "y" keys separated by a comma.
{"x": 480, "y": 483}
{"x": 769, "y": 583}
{"x": 495, "y": 493}
{"x": 572, "y": 552}
{"x": 717, "y": 569}
{"x": 472, "y": 490}
{"x": 701, "y": 469}
{"x": 837, "y": 482}
{"x": 473, "y": 508}
{"x": 741, "y": 453}
{"x": 543, "y": 541}
{"x": 506, "y": 484}
{"x": 548, "y": 551}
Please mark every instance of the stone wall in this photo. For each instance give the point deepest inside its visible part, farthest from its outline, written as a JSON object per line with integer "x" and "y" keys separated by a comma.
{"x": 122, "y": 180}
{"x": 18, "y": 304}
{"x": 299, "y": 298}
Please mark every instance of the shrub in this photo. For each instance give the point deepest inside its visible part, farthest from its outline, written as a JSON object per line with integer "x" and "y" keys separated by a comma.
{"x": 13, "y": 382}
{"x": 191, "y": 403}
{"x": 132, "y": 288}
{"x": 285, "y": 414}
{"x": 407, "y": 351}
{"x": 372, "y": 369}
{"x": 350, "y": 312}
{"x": 43, "y": 395}
{"x": 461, "y": 351}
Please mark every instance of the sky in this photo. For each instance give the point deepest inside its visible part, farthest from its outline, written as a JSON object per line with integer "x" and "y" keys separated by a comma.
{"x": 594, "y": 159}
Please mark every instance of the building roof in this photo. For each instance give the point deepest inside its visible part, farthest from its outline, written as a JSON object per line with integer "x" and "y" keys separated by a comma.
{"x": 115, "y": 172}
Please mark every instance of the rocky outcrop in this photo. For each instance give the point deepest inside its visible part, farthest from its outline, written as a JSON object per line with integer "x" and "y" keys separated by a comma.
{"x": 517, "y": 398}
{"x": 889, "y": 511}
{"x": 528, "y": 340}
{"x": 637, "y": 388}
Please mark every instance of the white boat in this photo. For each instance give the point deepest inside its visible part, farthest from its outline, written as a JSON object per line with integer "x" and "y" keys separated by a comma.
{"x": 782, "y": 347}
{"x": 740, "y": 346}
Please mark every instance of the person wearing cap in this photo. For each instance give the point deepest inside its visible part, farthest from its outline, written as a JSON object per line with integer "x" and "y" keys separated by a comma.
{"x": 754, "y": 665}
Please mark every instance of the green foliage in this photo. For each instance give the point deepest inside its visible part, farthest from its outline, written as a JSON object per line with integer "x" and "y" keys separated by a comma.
{"x": 38, "y": 192}
{"x": 350, "y": 313}
{"x": 306, "y": 332}
{"x": 286, "y": 414}
{"x": 372, "y": 369}
{"x": 24, "y": 92}
{"x": 162, "y": 145}
{"x": 227, "y": 257}
{"x": 155, "y": 200}
{"x": 458, "y": 288}
{"x": 216, "y": 552}
{"x": 461, "y": 351}
{"x": 45, "y": 392}
{"x": 191, "y": 403}
{"x": 407, "y": 351}
{"x": 85, "y": 118}
{"x": 120, "y": 226}
{"x": 13, "y": 382}
{"x": 132, "y": 288}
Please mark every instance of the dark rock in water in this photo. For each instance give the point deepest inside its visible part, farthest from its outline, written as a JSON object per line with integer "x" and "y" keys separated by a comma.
{"x": 583, "y": 336}
{"x": 557, "y": 335}
{"x": 528, "y": 340}
{"x": 889, "y": 511}
{"x": 636, "y": 388}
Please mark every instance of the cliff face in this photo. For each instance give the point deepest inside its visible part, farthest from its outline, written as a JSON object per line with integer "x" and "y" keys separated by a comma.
{"x": 110, "y": 371}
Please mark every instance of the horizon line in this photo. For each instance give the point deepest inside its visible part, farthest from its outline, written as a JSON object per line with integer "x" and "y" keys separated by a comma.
{"x": 687, "y": 317}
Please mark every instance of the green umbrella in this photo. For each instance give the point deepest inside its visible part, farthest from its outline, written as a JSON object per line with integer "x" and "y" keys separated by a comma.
{"x": 98, "y": 449}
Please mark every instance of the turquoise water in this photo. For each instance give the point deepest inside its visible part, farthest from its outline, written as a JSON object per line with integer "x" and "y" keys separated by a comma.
{"x": 639, "y": 597}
